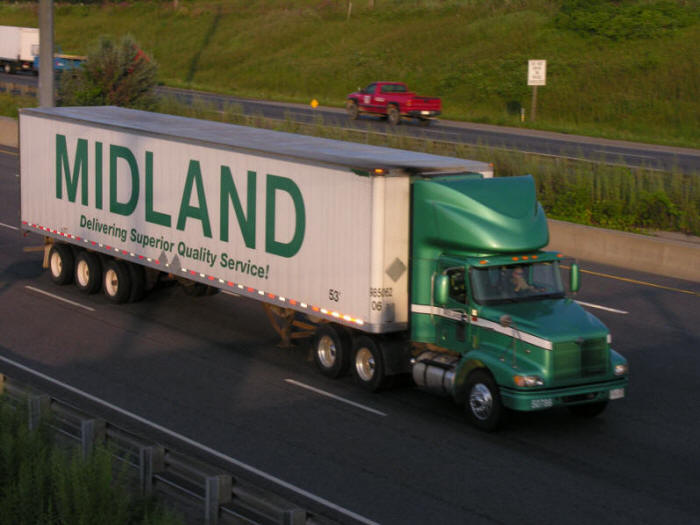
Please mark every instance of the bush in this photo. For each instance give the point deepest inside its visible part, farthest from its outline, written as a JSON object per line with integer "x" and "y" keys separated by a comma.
{"x": 115, "y": 74}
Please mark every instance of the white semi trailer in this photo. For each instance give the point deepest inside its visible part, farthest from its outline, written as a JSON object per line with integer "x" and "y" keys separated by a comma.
{"x": 395, "y": 261}
{"x": 18, "y": 48}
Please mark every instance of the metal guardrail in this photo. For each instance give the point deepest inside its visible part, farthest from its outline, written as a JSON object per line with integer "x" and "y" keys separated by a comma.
{"x": 201, "y": 491}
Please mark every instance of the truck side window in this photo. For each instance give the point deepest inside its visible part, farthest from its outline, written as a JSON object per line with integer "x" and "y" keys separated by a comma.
{"x": 457, "y": 287}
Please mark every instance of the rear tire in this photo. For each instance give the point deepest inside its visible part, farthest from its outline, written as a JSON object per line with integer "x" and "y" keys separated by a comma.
{"x": 368, "y": 363}
{"x": 588, "y": 410}
{"x": 332, "y": 347}
{"x": 88, "y": 272}
{"x": 393, "y": 116}
{"x": 352, "y": 109}
{"x": 117, "y": 282}
{"x": 61, "y": 263}
{"x": 483, "y": 404}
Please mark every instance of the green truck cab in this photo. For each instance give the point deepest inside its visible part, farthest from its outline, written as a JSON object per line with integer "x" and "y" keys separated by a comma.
{"x": 490, "y": 307}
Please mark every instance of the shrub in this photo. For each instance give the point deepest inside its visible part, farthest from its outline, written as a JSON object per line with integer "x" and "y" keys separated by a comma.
{"x": 115, "y": 73}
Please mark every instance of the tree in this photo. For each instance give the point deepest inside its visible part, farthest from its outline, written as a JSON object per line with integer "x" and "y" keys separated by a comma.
{"x": 116, "y": 73}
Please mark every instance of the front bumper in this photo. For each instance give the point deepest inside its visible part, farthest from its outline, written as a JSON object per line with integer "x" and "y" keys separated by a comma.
{"x": 528, "y": 400}
{"x": 422, "y": 114}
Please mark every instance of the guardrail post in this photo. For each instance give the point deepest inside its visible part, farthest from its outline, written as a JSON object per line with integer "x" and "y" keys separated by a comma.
{"x": 92, "y": 431}
{"x": 218, "y": 492}
{"x": 37, "y": 406}
{"x": 151, "y": 461}
{"x": 294, "y": 517}
{"x": 2, "y": 384}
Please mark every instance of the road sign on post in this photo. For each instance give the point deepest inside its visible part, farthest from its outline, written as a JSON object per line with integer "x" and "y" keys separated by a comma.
{"x": 536, "y": 76}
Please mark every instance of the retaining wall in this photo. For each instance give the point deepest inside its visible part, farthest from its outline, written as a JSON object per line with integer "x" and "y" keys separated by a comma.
{"x": 628, "y": 250}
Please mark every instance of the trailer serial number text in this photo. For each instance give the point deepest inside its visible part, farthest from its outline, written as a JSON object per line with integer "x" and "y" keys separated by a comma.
{"x": 379, "y": 293}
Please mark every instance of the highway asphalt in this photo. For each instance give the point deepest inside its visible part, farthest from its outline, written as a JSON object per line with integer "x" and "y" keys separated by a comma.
{"x": 684, "y": 160}
{"x": 209, "y": 368}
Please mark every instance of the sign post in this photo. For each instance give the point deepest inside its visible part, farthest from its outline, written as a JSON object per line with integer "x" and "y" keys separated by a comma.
{"x": 536, "y": 76}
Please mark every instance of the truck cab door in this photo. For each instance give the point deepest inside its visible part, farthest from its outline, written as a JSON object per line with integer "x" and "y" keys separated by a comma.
{"x": 367, "y": 102}
{"x": 453, "y": 327}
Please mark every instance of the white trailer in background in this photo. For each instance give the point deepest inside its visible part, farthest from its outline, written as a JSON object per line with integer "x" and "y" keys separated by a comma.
{"x": 18, "y": 48}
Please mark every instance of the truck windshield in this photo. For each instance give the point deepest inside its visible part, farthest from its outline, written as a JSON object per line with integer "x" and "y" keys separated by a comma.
{"x": 524, "y": 282}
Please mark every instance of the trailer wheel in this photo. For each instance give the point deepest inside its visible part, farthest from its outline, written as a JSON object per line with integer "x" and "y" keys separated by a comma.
{"x": 368, "y": 363}
{"x": 88, "y": 272}
{"x": 352, "y": 109}
{"x": 483, "y": 405}
{"x": 393, "y": 115}
{"x": 61, "y": 263}
{"x": 589, "y": 409}
{"x": 332, "y": 347}
{"x": 117, "y": 282}
{"x": 9, "y": 68}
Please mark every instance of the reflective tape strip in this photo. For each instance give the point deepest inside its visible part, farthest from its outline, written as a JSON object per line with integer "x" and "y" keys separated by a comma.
{"x": 456, "y": 315}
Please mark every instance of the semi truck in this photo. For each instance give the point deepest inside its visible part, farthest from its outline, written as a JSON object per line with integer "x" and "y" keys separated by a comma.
{"x": 18, "y": 48}
{"x": 394, "y": 263}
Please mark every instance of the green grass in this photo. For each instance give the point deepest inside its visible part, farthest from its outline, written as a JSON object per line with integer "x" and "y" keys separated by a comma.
{"x": 43, "y": 483}
{"x": 630, "y": 71}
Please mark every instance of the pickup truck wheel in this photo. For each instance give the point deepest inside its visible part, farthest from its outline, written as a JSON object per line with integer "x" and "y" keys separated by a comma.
{"x": 368, "y": 363}
{"x": 88, "y": 272}
{"x": 483, "y": 405}
{"x": 61, "y": 263}
{"x": 332, "y": 346}
{"x": 393, "y": 116}
{"x": 589, "y": 409}
{"x": 117, "y": 282}
{"x": 353, "y": 110}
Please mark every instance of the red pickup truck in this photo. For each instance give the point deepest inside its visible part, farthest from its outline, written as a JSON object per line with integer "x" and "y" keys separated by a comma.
{"x": 392, "y": 100}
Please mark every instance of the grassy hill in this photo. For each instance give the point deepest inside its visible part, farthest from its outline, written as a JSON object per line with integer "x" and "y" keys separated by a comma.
{"x": 629, "y": 69}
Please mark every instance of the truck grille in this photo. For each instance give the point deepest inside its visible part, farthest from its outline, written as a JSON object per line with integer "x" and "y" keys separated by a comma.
{"x": 580, "y": 359}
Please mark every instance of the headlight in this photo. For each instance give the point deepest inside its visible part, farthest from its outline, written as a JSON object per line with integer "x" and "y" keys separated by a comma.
{"x": 528, "y": 381}
{"x": 621, "y": 370}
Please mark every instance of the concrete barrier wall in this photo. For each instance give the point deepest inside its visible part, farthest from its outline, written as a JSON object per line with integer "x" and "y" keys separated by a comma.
{"x": 627, "y": 250}
{"x": 8, "y": 132}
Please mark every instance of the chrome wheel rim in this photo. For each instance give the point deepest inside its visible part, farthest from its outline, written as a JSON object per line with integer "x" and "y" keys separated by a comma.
{"x": 326, "y": 351}
{"x": 111, "y": 282}
{"x": 364, "y": 364}
{"x": 480, "y": 401}
{"x": 82, "y": 273}
{"x": 56, "y": 264}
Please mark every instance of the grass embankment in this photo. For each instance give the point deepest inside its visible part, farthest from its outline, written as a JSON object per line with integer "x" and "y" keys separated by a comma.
{"x": 42, "y": 483}
{"x": 627, "y": 70}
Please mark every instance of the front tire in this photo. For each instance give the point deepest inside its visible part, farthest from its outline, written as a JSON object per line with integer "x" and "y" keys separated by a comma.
{"x": 368, "y": 363}
{"x": 117, "y": 282}
{"x": 61, "y": 263}
{"x": 88, "y": 272}
{"x": 332, "y": 347}
{"x": 484, "y": 408}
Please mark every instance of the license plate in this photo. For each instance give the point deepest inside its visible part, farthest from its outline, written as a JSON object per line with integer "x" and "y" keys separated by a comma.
{"x": 541, "y": 403}
{"x": 425, "y": 112}
{"x": 617, "y": 393}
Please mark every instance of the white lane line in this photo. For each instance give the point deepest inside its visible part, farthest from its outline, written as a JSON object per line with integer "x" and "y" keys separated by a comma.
{"x": 623, "y": 154}
{"x": 333, "y": 396}
{"x": 8, "y": 226}
{"x": 88, "y": 308}
{"x": 599, "y": 307}
{"x": 194, "y": 444}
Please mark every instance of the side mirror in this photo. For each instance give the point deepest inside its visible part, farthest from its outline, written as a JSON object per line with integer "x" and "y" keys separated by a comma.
{"x": 442, "y": 290}
{"x": 575, "y": 283}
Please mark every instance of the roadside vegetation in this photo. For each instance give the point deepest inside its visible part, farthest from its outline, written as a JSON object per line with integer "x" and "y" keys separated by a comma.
{"x": 625, "y": 70}
{"x": 44, "y": 483}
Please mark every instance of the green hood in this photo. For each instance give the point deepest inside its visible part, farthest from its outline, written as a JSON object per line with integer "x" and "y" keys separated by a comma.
{"x": 556, "y": 320}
